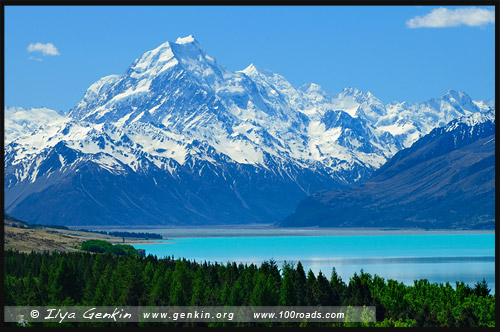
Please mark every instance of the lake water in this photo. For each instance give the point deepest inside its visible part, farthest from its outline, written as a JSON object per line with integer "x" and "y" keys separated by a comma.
{"x": 404, "y": 257}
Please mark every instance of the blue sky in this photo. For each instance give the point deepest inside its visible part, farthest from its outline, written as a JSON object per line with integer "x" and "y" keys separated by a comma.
{"x": 404, "y": 53}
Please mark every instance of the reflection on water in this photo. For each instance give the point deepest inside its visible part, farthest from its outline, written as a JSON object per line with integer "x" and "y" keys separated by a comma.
{"x": 396, "y": 260}
{"x": 439, "y": 258}
{"x": 469, "y": 273}
{"x": 404, "y": 269}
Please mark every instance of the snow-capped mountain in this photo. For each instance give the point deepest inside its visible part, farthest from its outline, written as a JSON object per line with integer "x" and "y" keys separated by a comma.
{"x": 445, "y": 180}
{"x": 413, "y": 120}
{"x": 180, "y": 139}
{"x": 19, "y": 121}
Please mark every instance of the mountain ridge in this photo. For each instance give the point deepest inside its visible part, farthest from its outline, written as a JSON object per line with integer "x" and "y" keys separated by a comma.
{"x": 185, "y": 127}
{"x": 445, "y": 180}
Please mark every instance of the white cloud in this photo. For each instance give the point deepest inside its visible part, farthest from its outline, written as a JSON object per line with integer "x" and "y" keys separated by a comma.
{"x": 46, "y": 49}
{"x": 445, "y": 18}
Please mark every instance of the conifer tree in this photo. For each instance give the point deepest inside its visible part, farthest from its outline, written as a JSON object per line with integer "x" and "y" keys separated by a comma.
{"x": 200, "y": 288}
{"x": 310, "y": 288}
{"x": 288, "y": 293}
{"x": 322, "y": 292}
{"x": 62, "y": 282}
{"x": 237, "y": 294}
{"x": 100, "y": 297}
{"x": 338, "y": 288}
{"x": 181, "y": 285}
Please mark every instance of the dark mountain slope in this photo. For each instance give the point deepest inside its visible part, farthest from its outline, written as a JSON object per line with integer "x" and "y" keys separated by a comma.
{"x": 445, "y": 180}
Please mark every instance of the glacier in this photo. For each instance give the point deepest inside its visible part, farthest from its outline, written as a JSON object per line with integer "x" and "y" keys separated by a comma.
{"x": 180, "y": 139}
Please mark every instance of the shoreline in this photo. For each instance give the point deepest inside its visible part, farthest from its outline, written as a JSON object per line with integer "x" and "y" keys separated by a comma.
{"x": 171, "y": 233}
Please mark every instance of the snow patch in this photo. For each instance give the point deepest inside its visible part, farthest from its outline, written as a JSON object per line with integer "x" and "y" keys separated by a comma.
{"x": 185, "y": 40}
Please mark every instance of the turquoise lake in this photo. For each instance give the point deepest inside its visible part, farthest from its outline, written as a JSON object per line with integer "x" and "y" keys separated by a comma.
{"x": 437, "y": 257}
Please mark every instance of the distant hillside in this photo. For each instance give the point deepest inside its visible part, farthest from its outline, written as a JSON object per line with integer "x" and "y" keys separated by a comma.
{"x": 14, "y": 221}
{"x": 445, "y": 180}
{"x": 24, "y": 237}
{"x": 178, "y": 139}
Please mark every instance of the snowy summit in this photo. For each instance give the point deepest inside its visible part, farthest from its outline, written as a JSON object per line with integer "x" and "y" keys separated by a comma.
{"x": 191, "y": 134}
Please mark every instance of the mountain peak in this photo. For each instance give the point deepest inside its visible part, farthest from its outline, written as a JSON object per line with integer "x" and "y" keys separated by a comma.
{"x": 359, "y": 96}
{"x": 455, "y": 94}
{"x": 185, "y": 40}
{"x": 250, "y": 70}
{"x": 168, "y": 54}
{"x": 311, "y": 87}
{"x": 350, "y": 92}
{"x": 472, "y": 120}
{"x": 461, "y": 98}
